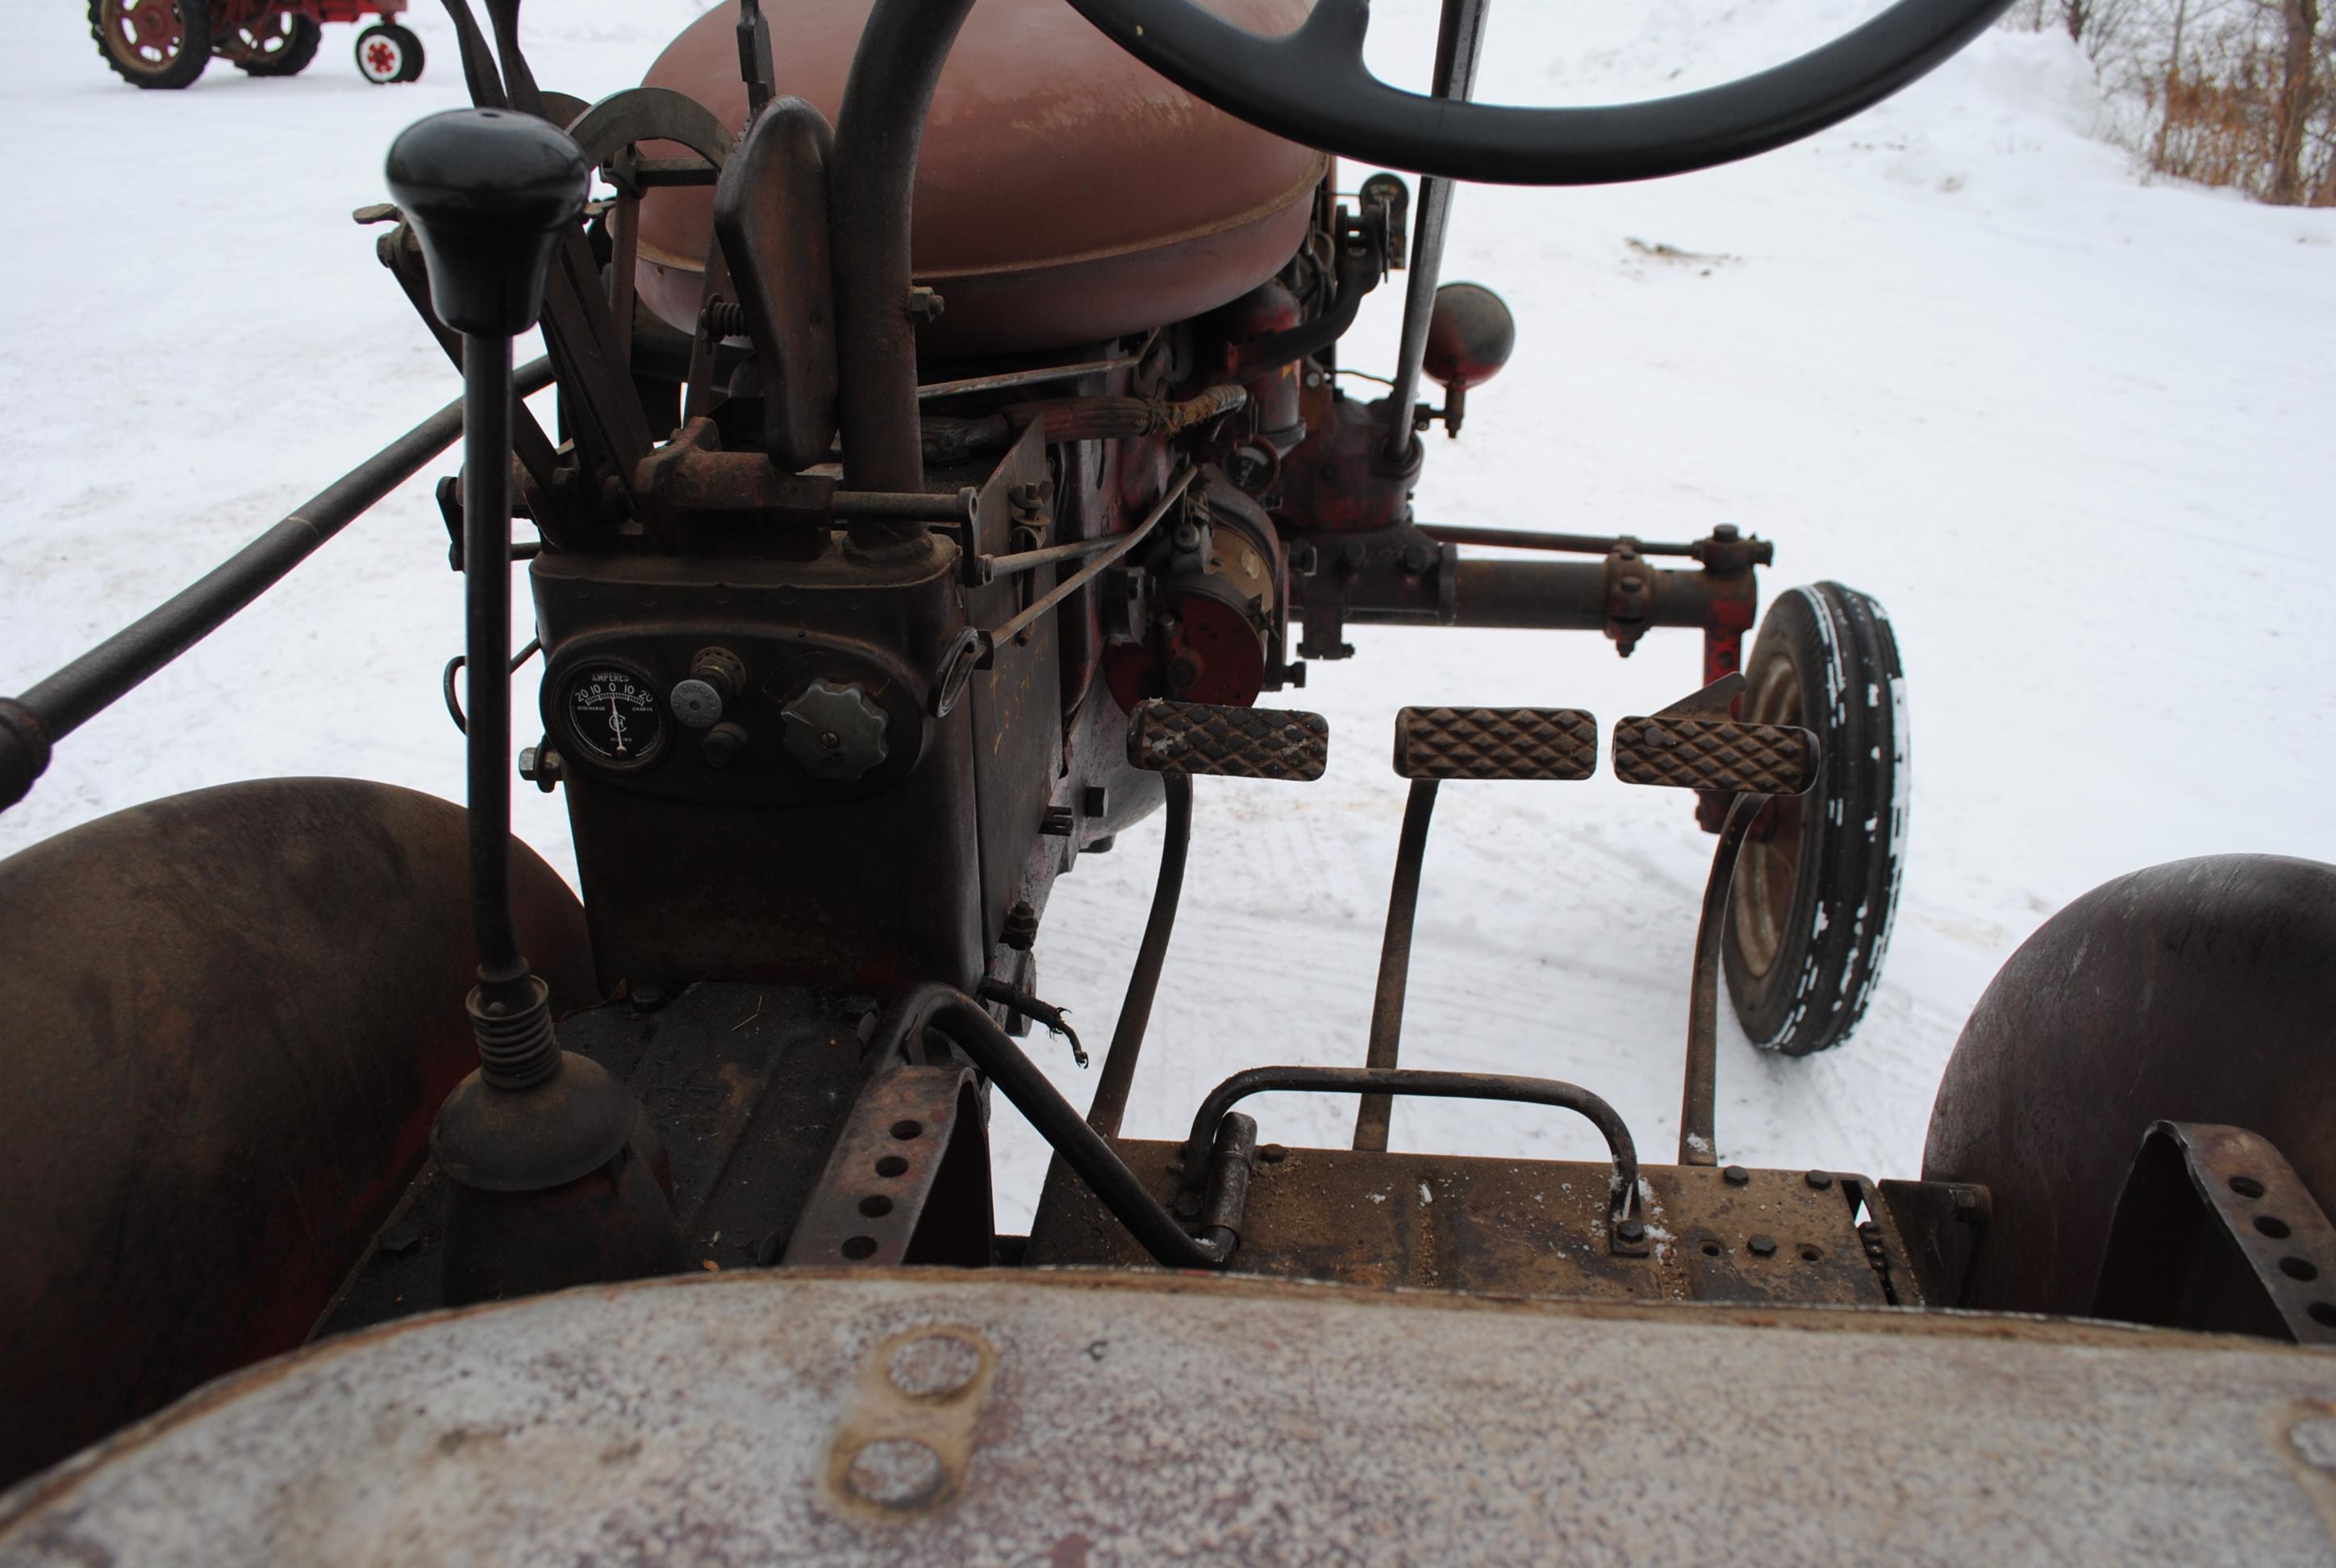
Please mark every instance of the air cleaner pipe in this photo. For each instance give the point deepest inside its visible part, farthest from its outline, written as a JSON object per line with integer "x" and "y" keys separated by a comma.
{"x": 53, "y": 708}
{"x": 871, "y": 181}
{"x": 1458, "y": 41}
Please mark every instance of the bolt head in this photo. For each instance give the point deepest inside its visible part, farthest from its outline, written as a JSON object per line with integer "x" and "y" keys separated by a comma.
{"x": 1820, "y": 1180}
{"x": 1736, "y": 1176}
{"x": 1631, "y": 1231}
{"x": 1762, "y": 1246}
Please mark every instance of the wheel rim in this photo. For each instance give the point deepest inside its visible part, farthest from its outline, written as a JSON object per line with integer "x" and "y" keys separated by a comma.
{"x": 380, "y": 58}
{"x": 1768, "y": 871}
{"x": 259, "y": 41}
{"x": 144, "y": 34}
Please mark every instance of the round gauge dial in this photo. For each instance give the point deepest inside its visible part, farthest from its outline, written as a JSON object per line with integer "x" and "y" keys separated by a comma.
{"x": 613, "y": 714}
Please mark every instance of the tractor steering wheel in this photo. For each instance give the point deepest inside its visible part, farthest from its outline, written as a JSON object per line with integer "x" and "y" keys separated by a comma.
{"x": 1311, "y": 86}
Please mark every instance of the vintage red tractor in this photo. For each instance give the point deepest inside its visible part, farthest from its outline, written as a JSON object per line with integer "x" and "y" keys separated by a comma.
{"x": 951, "y": 446}
{"x": 167, "y": 43}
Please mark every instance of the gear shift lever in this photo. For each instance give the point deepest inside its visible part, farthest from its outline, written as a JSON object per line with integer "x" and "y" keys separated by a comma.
{"x": 489, "y": 193}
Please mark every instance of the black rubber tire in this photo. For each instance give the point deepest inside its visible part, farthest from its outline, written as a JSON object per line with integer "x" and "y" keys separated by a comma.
{"x": 415, "y": 55}
{"x": 300, "y": 46}
{"x": 408, "y": 47}
{"x": 1817, "y": 889}
{"x": 181, "y": 69}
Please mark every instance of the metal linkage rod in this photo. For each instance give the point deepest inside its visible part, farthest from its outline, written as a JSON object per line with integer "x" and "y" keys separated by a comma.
{"x": 1701, "y": 1088}
{"x": 1375, "y": 1110}
{"x": 968, "y": 1027}
{"x": 31, "y": 725}
{"x": 1110, "y": 1103}
{"x": 1101, "y": 560}
{"x": 1569, "y": 543}
{"x": 1458, "y": 41}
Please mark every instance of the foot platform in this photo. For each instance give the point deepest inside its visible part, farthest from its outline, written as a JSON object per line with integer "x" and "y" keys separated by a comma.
{"x": 1694, "y": 744}
{"x": 1194, "y": 737}
{"x": 1495, "y": 743}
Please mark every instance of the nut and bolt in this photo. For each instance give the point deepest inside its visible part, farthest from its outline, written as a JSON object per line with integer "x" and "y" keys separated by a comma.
{"x": 1633, "y": 1231}
{"x": 1021, "y": 928}
{"x": 1059, "y": 822}
{"x": 925, "y": 306}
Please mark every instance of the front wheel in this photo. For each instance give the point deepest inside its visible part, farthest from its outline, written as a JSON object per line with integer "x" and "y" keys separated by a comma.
{"x": 275, "y": 43}
{"x": 388, "y": 54}
{"x": 152, "y": 42}
{"x": 1809, "y": 913}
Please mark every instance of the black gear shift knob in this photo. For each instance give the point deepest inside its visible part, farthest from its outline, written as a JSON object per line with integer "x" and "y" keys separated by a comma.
{"x": 489, "y": 192}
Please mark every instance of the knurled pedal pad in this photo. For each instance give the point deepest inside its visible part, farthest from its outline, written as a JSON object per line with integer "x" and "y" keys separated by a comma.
{"x": 1198, "y": 737}
{"x": 1495, "y": 743}
{"x": 1715, "y": 754}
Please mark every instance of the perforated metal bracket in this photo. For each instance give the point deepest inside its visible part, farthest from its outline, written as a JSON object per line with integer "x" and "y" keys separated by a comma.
{"x": 1194, "y": 737}
{"x": 1695, "y": 744}
{"x": 1495, "y": 743}
{"x": 2216, "y": 1230}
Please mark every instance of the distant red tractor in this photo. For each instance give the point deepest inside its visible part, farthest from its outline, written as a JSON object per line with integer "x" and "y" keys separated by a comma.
{"x": 167, "y": 43}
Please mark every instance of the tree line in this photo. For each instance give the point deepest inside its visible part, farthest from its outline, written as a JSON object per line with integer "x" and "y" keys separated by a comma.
{"x": 2237, "y": 92}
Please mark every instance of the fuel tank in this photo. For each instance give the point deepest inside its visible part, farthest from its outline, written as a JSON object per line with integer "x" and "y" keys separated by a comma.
{"x": 1065, "y": 193}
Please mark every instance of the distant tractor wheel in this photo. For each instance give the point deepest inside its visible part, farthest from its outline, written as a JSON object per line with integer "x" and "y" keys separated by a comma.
{"x": 1809, "y": 913}
{"x": 388, "y": 54}
{"x": 279, "y": 44}
{"x": 152, "y": 42}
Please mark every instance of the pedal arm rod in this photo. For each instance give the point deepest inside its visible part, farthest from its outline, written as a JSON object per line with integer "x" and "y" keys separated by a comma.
{"x": 1701, "y": 1087}
{"x": 1110, "y": 1103}
{"x": 1375, "y": 1109}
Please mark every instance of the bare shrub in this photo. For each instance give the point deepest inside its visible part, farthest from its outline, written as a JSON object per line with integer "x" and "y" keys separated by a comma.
{"x": 2228, "y": 92}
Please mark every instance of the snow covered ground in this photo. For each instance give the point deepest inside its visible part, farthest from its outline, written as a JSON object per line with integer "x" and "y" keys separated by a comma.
{"x": 2073, "y": 432}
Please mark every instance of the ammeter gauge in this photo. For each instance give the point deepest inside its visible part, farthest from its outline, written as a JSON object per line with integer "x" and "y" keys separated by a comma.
{"x": 613, "y": 714}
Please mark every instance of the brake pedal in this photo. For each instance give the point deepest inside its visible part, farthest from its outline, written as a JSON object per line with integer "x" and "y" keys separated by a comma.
{"x": 1694, "y": 744}
{"x": 1197, "y": 737}
{"x": 1550, "y": 743}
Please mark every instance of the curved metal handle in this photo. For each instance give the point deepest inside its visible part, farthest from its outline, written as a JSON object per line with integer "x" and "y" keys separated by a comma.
{"x": 1628, "y": 1232}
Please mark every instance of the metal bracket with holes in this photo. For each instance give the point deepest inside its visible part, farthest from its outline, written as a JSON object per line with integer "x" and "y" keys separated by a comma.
{"x": 908, "y": 1179}
{"x": 2214, "y": 1230}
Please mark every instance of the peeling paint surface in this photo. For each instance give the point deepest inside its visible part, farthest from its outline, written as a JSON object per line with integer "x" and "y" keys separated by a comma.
{"x": 1094, "y": 1419}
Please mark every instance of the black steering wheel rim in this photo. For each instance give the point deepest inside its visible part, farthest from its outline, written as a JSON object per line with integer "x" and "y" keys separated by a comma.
{"x": 1311, "y": 86}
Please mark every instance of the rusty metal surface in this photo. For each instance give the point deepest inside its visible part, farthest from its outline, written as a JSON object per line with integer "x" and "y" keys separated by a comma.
{"x": 1495, "y": 743}
{"x": 231, "y": 1016}
{"x": 2200, "y": 990}
{"x": 1709, "y": 753}
{"x": 1017, "y": 706}
{"x": 1084, "y": 1419}
{"x": 2214, "y": 1230}
{"x": 907, "y": 1181}
{"x": 1943, "y": 1225}
{"x": 744, "y": 1087}
{"x": 1194, "y": 737}
{"x": 770, "y": 209}
{"x": 1179, "y": 208}
{"x": 1508, "y": 1227}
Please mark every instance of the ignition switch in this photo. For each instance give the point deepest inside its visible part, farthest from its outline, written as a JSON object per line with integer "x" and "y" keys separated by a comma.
{"x": 715, "y": 679}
